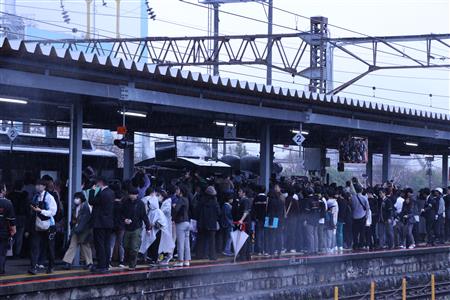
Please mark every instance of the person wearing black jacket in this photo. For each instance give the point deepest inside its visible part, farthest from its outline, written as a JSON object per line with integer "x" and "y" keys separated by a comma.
{"x": 429, "y": 212}
{"x": 19, "y": 199}
{"x": 259, "y": 214}
{"x": 386, "y": 219}
{"x": 292, "y": 211}
{"x": 7, "y": 226}
{"x": 313, "y": 214}
{"x": 447, "y": 214}
{"x": 208, "y": 217}
{"x": 275, "y": 214}
{"x": 133, "y": 217}
{"x": 407, "y": 216}
{"x": 371, "y": 234}
{"x": 118, "y": 228}
{"x": 103, "y": 223}
{"x": 180, "y": 215}
{"x": 241, "y": 216}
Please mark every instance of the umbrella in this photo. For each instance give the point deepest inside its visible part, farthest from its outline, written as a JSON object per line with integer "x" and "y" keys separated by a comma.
{"x": 238, "y": 239}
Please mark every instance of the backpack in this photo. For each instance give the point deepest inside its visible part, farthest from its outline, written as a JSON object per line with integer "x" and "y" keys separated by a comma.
{"x": 59, "y": 207}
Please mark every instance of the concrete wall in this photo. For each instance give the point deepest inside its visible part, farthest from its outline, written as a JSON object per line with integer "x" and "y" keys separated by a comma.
{"x": 295, "y": 278}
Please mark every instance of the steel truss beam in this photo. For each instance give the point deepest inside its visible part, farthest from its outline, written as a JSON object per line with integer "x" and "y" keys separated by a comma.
{"x": 82, "y": 88}
{"x": 253, "y": 50}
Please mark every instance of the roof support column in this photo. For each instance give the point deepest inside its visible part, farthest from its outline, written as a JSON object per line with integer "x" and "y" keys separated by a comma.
{"x": 75, "y": 156}
{"x": 444, "y": 170}
{"x": 369, "y": 169}
{"x": 265, "y": 154}
{"x": 386, "y": 168}
{"x": 128, "y": 158}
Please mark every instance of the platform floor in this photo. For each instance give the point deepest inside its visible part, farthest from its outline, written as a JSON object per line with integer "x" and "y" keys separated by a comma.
{"x": 17, "y": 268}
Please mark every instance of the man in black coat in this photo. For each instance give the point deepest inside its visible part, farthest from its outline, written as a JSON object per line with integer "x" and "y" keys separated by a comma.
{"x": 103, "y": 223}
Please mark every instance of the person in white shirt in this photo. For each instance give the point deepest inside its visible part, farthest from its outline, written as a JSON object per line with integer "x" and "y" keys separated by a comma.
{"x": 398, "y": 225}
{"x": 42, "y": 229}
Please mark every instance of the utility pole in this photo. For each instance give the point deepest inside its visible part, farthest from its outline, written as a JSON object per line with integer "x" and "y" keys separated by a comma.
{"x": 269, "y": 44}
{"x": 215, "y": 142}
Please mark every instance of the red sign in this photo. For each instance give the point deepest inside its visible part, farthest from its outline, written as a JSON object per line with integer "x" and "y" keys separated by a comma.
{"x": 121, "y": 130}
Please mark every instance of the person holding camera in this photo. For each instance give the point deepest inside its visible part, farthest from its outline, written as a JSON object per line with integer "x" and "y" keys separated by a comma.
{"x": 42, "y": 227}
{"x": 7, "y": 226}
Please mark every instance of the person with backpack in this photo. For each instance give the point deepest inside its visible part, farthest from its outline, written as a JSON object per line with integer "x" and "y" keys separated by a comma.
{"x": 42, "y": 227}
{"x": 7, "y": 226}
{"x": 331, "y": 218}
{"x": 313, "y": 213}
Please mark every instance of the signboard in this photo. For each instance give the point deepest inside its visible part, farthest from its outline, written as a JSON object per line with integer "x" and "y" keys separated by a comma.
{"x": 298, "y": 139}
{"x": 354, "y": 150}
{"x": 229, "y": 132}
{"x": 12, "y": 133}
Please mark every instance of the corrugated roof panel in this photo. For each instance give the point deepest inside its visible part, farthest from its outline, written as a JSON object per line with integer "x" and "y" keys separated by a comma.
{"x": 7, "y": 45}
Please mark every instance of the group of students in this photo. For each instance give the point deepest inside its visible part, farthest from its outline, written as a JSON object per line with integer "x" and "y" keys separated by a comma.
{"x": 192, "y": 216}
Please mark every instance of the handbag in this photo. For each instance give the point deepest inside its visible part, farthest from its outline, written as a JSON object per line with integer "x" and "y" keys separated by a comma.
{"x": 42, "y": 225}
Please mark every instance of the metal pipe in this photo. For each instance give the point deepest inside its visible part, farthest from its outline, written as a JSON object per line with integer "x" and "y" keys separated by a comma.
{"x": 88, "y": 19}
{"x": 118, "y": 19}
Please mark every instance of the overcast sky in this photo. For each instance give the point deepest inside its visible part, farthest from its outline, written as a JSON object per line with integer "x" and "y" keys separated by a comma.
{"x": 371, "y": 17}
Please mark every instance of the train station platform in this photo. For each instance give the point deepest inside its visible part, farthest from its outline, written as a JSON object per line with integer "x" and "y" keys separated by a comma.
{"x": 290, "y": 277}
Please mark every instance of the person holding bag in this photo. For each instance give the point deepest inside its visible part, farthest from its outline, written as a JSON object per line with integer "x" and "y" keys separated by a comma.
{"x": 42, "y": 227}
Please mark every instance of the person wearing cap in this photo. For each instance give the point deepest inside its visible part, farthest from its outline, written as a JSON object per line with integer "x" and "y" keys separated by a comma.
{"x": 209, "y": 213}
{"x": 133, "y": 217}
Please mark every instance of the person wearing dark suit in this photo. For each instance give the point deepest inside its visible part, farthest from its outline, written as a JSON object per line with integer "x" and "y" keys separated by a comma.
{"x": 103, "y": 223}
{"x": 81, "y": 231}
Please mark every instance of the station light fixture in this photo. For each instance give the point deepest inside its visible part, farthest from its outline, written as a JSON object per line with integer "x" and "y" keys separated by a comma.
{"x": 411, "y": 144}
{"x": 12, "y": 100}
{"x": 304, "y": 132}
{"x": 223, "y": 124}
{"x": 132, "y": 113}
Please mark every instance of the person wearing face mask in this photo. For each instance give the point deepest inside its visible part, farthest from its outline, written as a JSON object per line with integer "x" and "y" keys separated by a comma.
{"x": 133, "y": 217}
{"x": 81, "y": 232}
{"x": 42, "y": 227}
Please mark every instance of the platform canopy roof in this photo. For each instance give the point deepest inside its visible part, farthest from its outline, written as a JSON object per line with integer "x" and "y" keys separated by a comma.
{"x": 180, "y": 102}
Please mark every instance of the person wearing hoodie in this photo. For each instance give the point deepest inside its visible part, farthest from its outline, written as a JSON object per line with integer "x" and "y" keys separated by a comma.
{"x": 209, "y": 213}
{"x": 133, "y": 216}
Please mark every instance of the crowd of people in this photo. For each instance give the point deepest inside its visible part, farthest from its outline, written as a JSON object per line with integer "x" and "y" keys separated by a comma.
{"x": 146, "y": 220}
